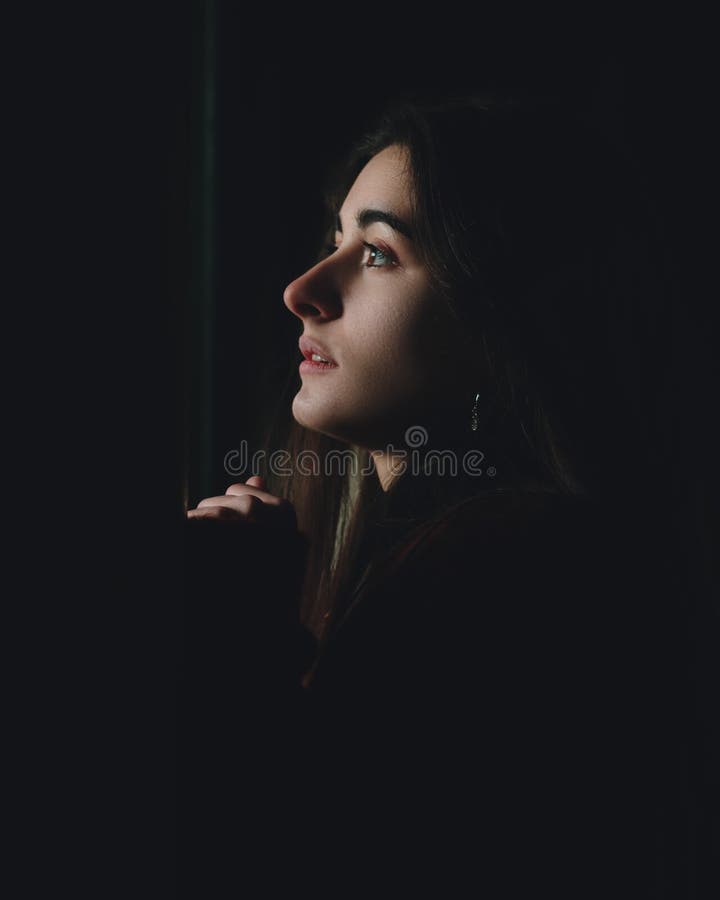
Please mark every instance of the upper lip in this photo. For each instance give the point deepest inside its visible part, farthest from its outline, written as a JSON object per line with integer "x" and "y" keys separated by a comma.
{"x": 309, "y": 345}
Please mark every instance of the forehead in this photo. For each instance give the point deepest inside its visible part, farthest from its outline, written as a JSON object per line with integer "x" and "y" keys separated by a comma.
{"x": 384, "y": 182}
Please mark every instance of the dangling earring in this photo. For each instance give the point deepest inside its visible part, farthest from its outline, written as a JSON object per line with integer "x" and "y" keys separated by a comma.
{"x": 474, "y": 414}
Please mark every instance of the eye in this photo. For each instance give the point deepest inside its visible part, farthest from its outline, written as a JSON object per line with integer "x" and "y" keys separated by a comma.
{"x": 379, "y": 258}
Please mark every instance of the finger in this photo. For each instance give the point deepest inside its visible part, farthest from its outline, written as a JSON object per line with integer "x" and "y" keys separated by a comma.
{"x": 215, "y": 512}
{"x": 257, "y": 481}
{"x": 243, "y": 504}
{"x": 247, "y": 507}
{"x": 240, "y": 488}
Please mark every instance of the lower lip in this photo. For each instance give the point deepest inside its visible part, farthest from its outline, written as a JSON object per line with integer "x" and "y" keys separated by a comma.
{"x": 307, "y": 365}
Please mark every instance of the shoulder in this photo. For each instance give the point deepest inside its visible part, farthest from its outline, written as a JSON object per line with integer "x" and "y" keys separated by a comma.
{"x": 519, "y": 559}
{"x": 509, "y": 599}
{"x": 505, "y": 529}
{"x": 509, "y": 570}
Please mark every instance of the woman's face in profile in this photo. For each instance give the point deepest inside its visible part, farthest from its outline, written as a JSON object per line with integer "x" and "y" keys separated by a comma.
{"x": 369, "y": 306}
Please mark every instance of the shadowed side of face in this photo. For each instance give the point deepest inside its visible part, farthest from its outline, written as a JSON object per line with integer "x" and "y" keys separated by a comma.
{"x": 371, "y": 308}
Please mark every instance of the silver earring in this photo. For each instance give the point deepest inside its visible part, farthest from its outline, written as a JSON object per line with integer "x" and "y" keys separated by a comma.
{"x": 474, "y": 414}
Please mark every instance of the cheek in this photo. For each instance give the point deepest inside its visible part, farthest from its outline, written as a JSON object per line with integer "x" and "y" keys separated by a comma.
{"x": 387, "y": 343}
{"x": 422, "y": 340}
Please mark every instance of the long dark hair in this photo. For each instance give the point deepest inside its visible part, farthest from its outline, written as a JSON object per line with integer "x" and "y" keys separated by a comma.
{"x": 541, "y": 237}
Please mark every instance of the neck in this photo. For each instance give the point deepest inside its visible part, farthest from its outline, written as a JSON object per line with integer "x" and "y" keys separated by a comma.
{"x": 389, "y": 467}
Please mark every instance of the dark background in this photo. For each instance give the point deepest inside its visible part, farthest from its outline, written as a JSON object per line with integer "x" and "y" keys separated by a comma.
{"x": 181, "y": 163}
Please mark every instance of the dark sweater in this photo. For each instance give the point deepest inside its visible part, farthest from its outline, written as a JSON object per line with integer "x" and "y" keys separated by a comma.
{"x": 488, "y": 705}
{"x": 486, "y": 712}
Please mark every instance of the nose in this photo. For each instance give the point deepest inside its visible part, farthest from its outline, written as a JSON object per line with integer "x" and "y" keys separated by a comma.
{"x": 315, "y": 294}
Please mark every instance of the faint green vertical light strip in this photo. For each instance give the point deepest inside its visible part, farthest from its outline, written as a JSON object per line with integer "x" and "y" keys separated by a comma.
{"x": 203, "y": 319}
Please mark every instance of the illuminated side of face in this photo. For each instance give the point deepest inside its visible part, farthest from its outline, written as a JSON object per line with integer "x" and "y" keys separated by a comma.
{"x": 371, "y": 306}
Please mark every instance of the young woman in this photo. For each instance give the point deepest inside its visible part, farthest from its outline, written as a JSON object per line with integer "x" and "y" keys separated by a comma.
{"x": 476, "y": 667}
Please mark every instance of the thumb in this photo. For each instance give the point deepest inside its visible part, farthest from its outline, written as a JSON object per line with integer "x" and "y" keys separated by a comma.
{"x": 256, "y": 481}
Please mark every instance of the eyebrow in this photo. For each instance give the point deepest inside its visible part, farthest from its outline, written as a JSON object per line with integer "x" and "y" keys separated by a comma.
{"x": 366, "y": 217}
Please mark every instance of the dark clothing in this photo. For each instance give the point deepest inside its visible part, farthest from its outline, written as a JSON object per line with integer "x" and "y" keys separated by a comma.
{"x": 484, "y": 715}
{"x": 487, "y": 705}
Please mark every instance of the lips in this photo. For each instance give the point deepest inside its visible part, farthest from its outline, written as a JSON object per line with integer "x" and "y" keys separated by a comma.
{"x": 308, "y": 346}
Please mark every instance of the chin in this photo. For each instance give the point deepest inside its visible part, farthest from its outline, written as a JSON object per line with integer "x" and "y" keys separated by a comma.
{"x": 316, "y": 420}
{"x": 307, "y": 415}
{"x": 303, "y": 412}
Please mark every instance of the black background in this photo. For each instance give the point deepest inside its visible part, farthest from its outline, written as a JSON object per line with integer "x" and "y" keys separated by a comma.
{"x": 114, "y": 157}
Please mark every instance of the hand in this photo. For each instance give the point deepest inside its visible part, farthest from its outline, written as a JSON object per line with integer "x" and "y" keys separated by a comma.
{"x": 226, "y": 558}
{"x": 249, "y": 502}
